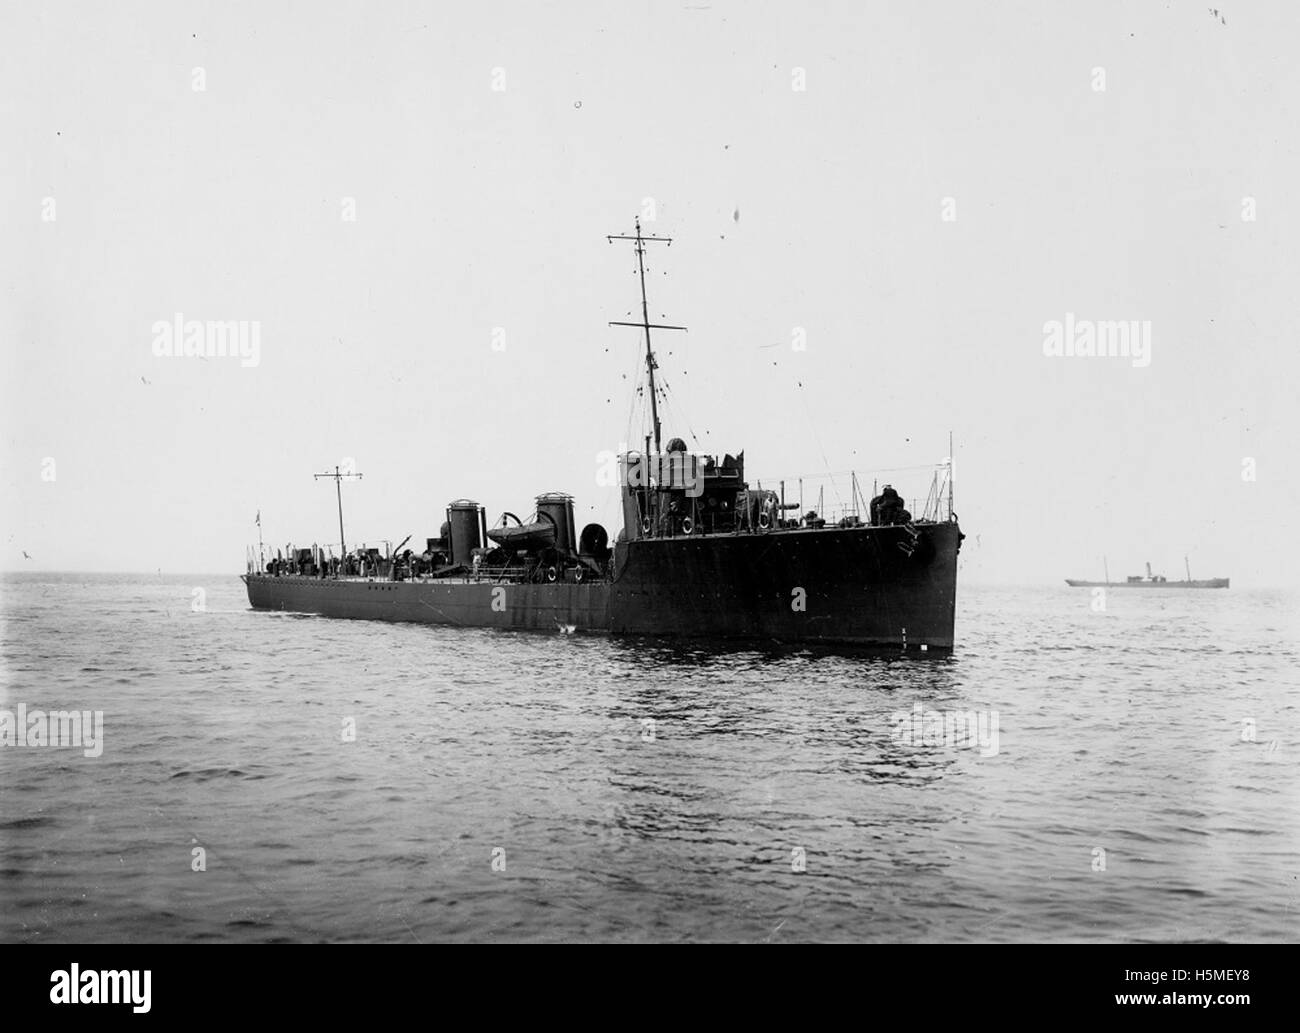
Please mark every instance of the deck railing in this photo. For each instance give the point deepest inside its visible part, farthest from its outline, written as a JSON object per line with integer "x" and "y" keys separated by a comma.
{"x": 845, "y": 496}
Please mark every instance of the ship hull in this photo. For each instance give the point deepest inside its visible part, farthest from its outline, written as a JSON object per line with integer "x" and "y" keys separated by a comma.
{"x": 870, "y": 586}
{"x": 471, "y": 604}
{"x": 1216, "y": 582}
{"x": 855, "y": 586}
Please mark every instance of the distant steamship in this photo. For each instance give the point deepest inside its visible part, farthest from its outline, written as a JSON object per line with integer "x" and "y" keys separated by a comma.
{"x": 1151, "y": 581}
{"x": 701, "y": 554}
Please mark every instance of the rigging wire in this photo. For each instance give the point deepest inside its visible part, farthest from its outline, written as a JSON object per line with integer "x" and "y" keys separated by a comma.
{"x": 817, "y": 438}
{"x": 636, "y": 398}
{"x": 670, "y": 404}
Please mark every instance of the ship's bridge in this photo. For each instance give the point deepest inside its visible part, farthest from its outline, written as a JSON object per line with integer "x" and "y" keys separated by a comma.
{"x": 680, "y": 493}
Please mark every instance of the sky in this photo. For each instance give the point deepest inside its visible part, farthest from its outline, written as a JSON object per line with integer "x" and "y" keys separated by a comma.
{"x": 877, "y": 213}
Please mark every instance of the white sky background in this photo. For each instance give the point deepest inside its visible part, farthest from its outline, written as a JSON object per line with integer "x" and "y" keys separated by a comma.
{"x": 478, "y": 209}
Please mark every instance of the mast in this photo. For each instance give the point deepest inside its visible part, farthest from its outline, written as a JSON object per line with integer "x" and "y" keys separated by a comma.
{"x": 650, "y": 364}
{"x": 952, "y": 463}
{"x": 1106, "y": 568}
{"x": 338, "y": 479}
{"x": 1187, "y": 567}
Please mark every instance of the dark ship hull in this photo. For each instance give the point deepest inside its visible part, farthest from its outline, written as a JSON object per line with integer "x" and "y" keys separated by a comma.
{"x": 856, "y": 586}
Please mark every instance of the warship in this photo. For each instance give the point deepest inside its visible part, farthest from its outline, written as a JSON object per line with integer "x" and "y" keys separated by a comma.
{"x": 701, "y": 555}
{"x": 1151, "y": 581}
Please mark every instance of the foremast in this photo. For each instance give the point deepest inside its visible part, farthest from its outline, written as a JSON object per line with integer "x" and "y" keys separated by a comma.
{"x": 641, "y": 240}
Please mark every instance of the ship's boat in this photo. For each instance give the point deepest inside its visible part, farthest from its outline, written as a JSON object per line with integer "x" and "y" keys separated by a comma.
{"x": 531, "y": 537}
